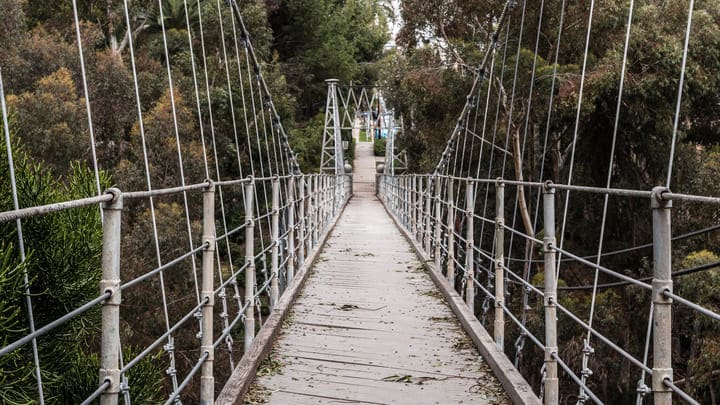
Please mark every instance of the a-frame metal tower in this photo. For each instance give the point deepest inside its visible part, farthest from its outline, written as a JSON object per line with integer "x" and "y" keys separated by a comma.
{"x": 332, "y": 160}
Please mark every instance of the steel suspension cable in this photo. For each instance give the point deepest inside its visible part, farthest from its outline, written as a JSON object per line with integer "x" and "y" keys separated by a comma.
{"x": 171, "y": 369}
{"x": 587, "y": 349}
{"x": 21, "y": 240}
{"x": 681, "y": 86}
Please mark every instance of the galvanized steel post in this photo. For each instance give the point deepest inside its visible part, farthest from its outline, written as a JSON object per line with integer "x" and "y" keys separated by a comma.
{"x": 662, "y": 305}
{"x": 207, "y": 380}
{"x": 250, "y": 264}
{"x": 438, "y": 224}
{"x": 316, "y": 210}
{"x": 275, "y": 241}
{"x": 451, "y": 232}
{"x": 499, "y": 325}
{"x": 419, "y": 203}
{"x": 470, "y": 246}
{"x": 550, "y": 299}
{"x": 110, "y": 283}
{"x": 292, "y": 257}
{"x": 406, "y": 201}
{"x": 428, "y": 216}
{"x": 413, "y": 212}
{"x": 301, "y": 222}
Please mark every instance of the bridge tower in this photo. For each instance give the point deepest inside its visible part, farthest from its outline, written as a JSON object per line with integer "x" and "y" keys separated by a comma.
{"x": 332, "y": 160}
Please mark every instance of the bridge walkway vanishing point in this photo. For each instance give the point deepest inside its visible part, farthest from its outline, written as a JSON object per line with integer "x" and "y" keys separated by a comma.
{"x": 370, "y": 326}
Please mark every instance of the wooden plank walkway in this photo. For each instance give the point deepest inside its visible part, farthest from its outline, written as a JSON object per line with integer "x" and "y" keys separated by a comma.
{"x": 371, "y": 327}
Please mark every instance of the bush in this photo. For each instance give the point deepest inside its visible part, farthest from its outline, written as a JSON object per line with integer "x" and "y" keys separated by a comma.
{"x": 379, "y": 147}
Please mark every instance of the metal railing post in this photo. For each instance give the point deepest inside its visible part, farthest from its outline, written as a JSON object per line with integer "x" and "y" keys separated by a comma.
{"x": 307, "y": 218}
{"x": 291, "y": 231}
{"x": 406, "y": 202}
{"x": 323, "y": 204}
{"x": 301, "y": 222}
{"x": 207, "y": 380}
{"x": 419, "y": 202}
{"x": 413, "y": 212}
{"x": 451, "y": 233}
{"x": 110, "y": 283}
{"x": 469, "y": 246}
{"x": 428, "y": 216}
{"x": 275, "y": 240}
{"x": 316, "y": 210}
{"x": 499, "y": 325}
{"x": 662, "y": 305}
{"x": 250, "y": 261}
{"x": 438, "y": 224}
{"x": 550, "y": 299}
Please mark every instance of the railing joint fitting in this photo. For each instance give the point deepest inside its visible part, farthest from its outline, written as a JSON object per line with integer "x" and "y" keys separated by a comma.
{"x": 658, "y": 200}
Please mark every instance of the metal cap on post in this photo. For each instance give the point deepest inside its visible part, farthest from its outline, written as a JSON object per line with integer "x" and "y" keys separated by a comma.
{"x": 662, "y": 305}
{"x": 550, "y": 297}
{"x": 110, "y": 283}
{"x": 250, "y": 262}
{"x": 499, "y": 324}
{"x": 207, "y": 380}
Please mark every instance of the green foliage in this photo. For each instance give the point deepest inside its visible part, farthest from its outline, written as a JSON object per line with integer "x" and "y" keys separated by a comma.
{"x": 63, "y": 266}
{"x": 17, "y": 381}
{"x": 700, "y": 355}
{"x": 379, "y": 147}
{"x": 324, "y": 39}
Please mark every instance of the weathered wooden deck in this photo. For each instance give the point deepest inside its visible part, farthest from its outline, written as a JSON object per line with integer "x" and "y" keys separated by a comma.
{"x": 370, "y": 326}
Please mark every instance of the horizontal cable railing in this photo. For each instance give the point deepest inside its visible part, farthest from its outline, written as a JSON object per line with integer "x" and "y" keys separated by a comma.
{"x": 316, "y": 199}
{"x": 439, "y": 212}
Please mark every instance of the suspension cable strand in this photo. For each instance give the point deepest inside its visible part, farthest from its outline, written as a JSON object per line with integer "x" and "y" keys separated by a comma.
{"x": 86, "y": 92}
{"x": 172, "y": 371}
{"x": 587, "y": 348}
{"x": 504, "y": 15}
{"x": 21, "y": 241}
{"x": 681, "y": 85}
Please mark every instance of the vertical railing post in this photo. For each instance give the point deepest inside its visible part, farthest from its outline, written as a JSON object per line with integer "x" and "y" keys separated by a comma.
{"x": 413, "y": 212}
{"x": 292, "y": 256}
{"x": 438, "y": 224}
{"x": 469, "y": 246}
{"x": 301, "y": 222}
{"x": 250, "y": 264}
{"x": 317, "y": 204}
{"x": 403, "y": 188}
{"x": 406, "y": 202}
{"x": 308, "y": 217}
{"x": 420, "y": 203}
{"x": 550, "y": 298}
{"x": 662, "y": 305}
{"x": 451, "y": 232}
{"x": 110, "y": 283}
{"x": 275, "y": 241}
{"x": 499, "y": 325}
{"x": 428, "y": 215}
{"x": 326, "y": 203}
{"x": 207, "y": 380}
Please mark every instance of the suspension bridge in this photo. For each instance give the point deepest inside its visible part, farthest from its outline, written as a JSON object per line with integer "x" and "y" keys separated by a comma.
{"x": 363, "y": 283}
